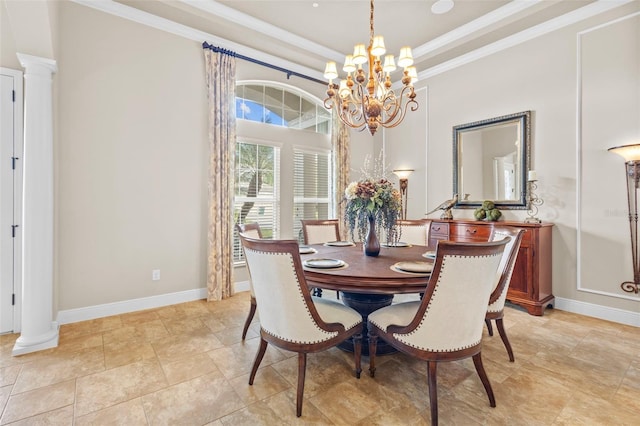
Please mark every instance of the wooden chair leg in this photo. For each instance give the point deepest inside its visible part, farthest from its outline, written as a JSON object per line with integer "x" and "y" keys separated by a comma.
{"x": 373, "y": 346}
{"x": 302, "y": 368}
{"x": 505, "y": 340}
{"x": 357, "y": 353}
{"x": 258, "y": 360}
{"x": 252, "y": 312}
{"x": 433, "y": 391}
{"x": 489, "y": 327}
{"x": 477, "y": 361}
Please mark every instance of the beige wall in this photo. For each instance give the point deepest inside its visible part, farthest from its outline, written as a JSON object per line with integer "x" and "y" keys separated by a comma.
{"x": 541, "y": 76}
{"x": 131, "y": 148}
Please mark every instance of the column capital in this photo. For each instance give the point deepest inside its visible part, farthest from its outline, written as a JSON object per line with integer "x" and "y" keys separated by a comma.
{"x": 28, "y": 61}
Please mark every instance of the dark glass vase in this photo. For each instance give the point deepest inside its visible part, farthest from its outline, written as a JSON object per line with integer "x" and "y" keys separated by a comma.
{"x": 371, "y": 244}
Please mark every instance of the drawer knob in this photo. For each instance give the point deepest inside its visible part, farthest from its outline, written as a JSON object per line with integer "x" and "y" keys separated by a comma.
{"x": 472, "y": 231}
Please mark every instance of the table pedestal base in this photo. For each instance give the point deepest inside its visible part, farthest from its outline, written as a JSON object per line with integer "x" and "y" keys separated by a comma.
{"x": 365, "y": 304}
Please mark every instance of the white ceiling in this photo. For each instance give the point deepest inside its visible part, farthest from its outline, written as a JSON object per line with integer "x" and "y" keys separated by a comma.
{"x": 298, "y": 36}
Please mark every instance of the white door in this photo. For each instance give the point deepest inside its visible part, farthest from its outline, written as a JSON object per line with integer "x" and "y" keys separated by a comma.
{"x": 10, "y": 198}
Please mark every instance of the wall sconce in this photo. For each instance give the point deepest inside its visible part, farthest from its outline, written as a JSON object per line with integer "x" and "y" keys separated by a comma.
{"x": 534, "y": 200}
{"x": 403, "y": 175}
{"x": 631, "y": 155}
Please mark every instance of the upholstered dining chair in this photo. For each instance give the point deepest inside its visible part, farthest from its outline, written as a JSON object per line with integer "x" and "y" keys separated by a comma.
{"x": 318, "y": 231}
{"x": 495, "y": 311}
{"x": 414, "y": 231}
{"x": 290, "y": 318}
{"x": 251, "y": 230}
{"x": 447, "y": 324}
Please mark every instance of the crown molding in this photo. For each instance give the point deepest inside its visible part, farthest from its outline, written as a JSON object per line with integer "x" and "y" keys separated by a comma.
{"x": 211, "y": 6}
{"x": 554, "y": 24}
{"x": 166, "y": 25}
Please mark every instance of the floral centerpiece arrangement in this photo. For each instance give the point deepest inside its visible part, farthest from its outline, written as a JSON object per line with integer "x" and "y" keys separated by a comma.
{"x": 372, "y": 202}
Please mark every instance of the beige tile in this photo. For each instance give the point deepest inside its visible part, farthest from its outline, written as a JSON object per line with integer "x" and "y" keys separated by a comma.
{"x": 105, "y": 389}
{"x": 279, "y": 409}
{"x": 569, "y": 369}
{"x": 266, "y": 383}
{"x": 127, "y": 413}
{"x": 60, "y": 417}
{"x": 38, "y": 401}
{"x": 120, "y": 353}
{"x": 172, "y": 348}
{"x": 139, "y": 317}
{"x": 189, "y": 368}
{"x": 583, "y": 409}
{"x": 343, "y": 411}
{"x": 197, "y": 401}
{"x": 58, "y": 368}
{"x": 90, "y": 327}
{"x": 185, "y": 325}
{"x": 8, "y": 375}
{"x": 236, "y": 360}
{"x": 147, "y": 331}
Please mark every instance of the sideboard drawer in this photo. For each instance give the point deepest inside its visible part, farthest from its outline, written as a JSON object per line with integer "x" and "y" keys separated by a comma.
{"x": 470, "y": 232}
{"x": 439, "y": 229}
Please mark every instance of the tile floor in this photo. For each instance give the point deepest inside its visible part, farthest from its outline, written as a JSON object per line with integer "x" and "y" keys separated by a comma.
{"x": 186, "y": 365}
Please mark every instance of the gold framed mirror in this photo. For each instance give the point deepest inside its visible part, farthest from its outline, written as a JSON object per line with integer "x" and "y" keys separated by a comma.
{"x": 491, "y": 159}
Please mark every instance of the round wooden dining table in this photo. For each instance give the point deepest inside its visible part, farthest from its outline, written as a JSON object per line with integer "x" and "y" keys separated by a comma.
{"x": 367, "y": 283}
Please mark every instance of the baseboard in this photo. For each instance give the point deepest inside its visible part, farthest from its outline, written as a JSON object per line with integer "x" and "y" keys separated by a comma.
{"x": 598, "y": 311}
{"x": 116, "y": 308}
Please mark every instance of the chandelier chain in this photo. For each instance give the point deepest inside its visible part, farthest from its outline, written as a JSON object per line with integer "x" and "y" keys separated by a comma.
{"x": 371, "y": 25}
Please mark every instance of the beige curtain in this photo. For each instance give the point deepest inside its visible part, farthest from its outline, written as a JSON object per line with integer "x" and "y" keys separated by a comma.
{"x": 340, "y": 138}
{"x": 220, "y": 75}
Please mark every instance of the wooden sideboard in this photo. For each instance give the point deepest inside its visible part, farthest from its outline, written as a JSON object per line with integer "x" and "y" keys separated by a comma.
{"x": 531, "y": 280}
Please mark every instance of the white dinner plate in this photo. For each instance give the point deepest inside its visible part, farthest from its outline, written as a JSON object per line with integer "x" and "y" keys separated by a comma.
{"x": 429, "y": 255}
{"x": 307, "y": 250}
{"x": 416, "y": 267}
{"x": 339, "y": 244}
{"x": 323, "y": 263}
{"x": 398, "y": 244}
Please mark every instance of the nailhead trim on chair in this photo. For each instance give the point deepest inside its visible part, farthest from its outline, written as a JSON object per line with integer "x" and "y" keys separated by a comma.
{"x": 329, "y": 335}
{"x": 415, "y": 330}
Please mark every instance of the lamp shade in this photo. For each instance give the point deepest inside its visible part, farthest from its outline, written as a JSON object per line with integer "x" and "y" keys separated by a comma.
{"x": 377, "y": 48}
{"x": 389, "y": 64}
{"x": 406, "y": 58}
{"x": 402, "y": 173}
{"x": 349, "y": 66}
{"x": 628, "y": 152}
{"x": 330, "y": 71}
{"x": 359, "y": 54}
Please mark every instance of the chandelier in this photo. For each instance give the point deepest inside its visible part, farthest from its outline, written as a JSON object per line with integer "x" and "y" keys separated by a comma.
{"x": 368, "y": 100}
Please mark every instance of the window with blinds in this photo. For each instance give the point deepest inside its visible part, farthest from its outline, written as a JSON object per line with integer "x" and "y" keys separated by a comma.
{"x": 311, "y": 187}
{"x": 283, "y": 164}
{"x": 256, "y": 189}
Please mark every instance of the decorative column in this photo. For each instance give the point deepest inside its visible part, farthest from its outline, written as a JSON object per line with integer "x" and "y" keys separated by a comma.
{"x": 39, "y": 331}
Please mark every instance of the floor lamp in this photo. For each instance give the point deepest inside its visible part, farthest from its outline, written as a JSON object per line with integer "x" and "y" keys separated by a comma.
{"x": 631, "y": 155}
{"x": 403, "y": 175}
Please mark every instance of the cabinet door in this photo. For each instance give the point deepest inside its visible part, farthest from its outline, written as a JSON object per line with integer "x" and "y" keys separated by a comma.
{"x": 519, "y": 286}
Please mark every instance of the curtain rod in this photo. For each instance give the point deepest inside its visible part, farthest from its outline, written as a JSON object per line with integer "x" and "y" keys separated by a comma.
{"x": 289, "y": 73}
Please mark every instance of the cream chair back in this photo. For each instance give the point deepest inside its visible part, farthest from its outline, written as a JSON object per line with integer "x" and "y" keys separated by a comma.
{"x": 284, "y": 302}
{"x": 507, "y": 264}
{"x": 415, "y": 232}
{"x": 464, "y": 277}
{"x": 320, "y": 231}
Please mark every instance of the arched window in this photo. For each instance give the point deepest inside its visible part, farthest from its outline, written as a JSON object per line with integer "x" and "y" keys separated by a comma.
{"x": 281, "y": 105}
{"x": 283, "y": 169}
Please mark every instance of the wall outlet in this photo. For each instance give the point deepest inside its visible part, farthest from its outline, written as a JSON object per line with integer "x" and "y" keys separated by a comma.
{"x": 155, "y": 275}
